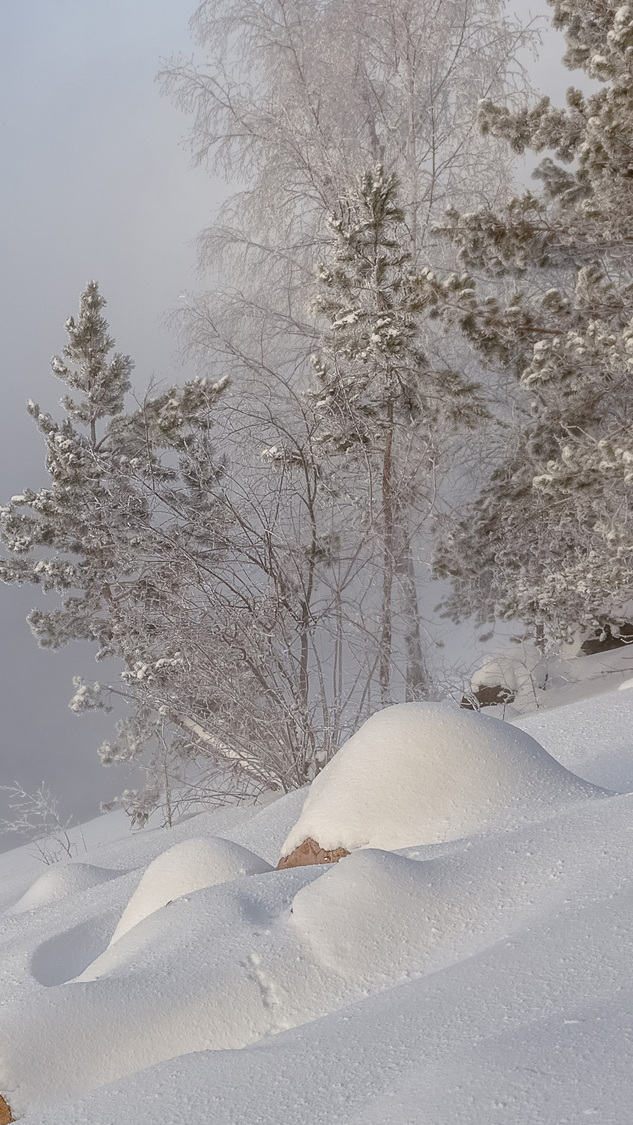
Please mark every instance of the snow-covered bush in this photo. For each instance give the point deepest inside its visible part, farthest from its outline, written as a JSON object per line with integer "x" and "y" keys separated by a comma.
{"x": 36, "y": 817}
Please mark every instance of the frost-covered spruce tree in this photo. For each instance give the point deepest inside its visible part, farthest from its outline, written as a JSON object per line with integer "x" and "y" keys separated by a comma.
{"x": 550, "y": 538}
{"x": 381, "y": 401}
{"x": 129, "y": 518}
{"x": 77, "y": 515}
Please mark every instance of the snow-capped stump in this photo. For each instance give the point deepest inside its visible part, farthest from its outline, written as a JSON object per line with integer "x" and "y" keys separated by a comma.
{"x": 186, "y": 867}
{"x": 5, "y": 1112}
{"x": 507, "y": 676}
{"x": 426, "y": 773}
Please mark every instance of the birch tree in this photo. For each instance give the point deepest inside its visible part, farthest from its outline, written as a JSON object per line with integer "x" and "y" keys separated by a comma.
{"x": 293, "y": 101}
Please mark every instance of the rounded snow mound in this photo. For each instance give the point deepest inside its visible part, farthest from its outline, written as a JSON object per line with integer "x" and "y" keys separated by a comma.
{"x": 426, "y": 773}
{"x": 59, "y": 882}
{"x": 184, "y": 868}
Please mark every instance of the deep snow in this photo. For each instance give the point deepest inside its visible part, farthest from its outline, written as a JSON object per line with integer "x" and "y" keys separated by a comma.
{"x": 186, "y": 867}
{"x": 482, "y": 980}
{"x": 426, "y": 773}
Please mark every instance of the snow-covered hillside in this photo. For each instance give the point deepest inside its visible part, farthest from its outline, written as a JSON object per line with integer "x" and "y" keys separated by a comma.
{"x": 172, "y": 976}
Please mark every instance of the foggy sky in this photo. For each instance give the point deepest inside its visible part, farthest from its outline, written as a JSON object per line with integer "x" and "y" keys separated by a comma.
{"x": 93, "y": 184}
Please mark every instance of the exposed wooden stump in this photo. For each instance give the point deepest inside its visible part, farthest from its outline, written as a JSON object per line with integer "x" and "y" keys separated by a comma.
{"x": 309, "y": 853}
{"x": 6, "y": 1117}
{"x": 604, "y": 640}
{"x": 487, "y": 697}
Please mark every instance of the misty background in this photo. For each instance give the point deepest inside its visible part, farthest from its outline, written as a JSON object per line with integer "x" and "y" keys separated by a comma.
{"x": 96, "y": 184}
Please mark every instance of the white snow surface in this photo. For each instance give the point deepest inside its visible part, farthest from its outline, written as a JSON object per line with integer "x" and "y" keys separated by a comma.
{"x": 596, "y": 734}
{"x": 184, "y": 868}
{"x": 426, "y": 773}
{"x": 481, "y": 980}
{"x": 60, "y": 881}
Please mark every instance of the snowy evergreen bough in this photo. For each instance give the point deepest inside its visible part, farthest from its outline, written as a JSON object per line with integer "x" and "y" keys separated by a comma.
{"x": 550, "y": 538}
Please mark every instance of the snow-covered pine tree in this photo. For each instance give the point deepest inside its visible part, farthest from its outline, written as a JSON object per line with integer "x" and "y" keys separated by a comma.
{"x": 77, "y": 515}
{"x": 550, "y": 538}
{"x": 129, "y": 518}
{"x": 381, "y": 401}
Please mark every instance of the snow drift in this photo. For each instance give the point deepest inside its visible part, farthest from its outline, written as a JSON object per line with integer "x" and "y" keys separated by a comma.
{"x": 233, "y": 965}
{"x": 426, "y": 773}
{"x": 188, "y": 866}
{"x": 465, "y": 979}
{"x": 60, "y": 882}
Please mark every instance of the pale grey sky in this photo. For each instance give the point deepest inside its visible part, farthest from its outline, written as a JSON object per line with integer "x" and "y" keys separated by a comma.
{"x": 93, "y": 185}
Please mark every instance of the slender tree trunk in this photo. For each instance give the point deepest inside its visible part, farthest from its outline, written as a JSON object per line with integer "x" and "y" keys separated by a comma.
{"x": 417, "y": 677}
{"x": 388, "y": 562}
{"x": 308, "y": 739}
{"x": 167, "y": 783}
